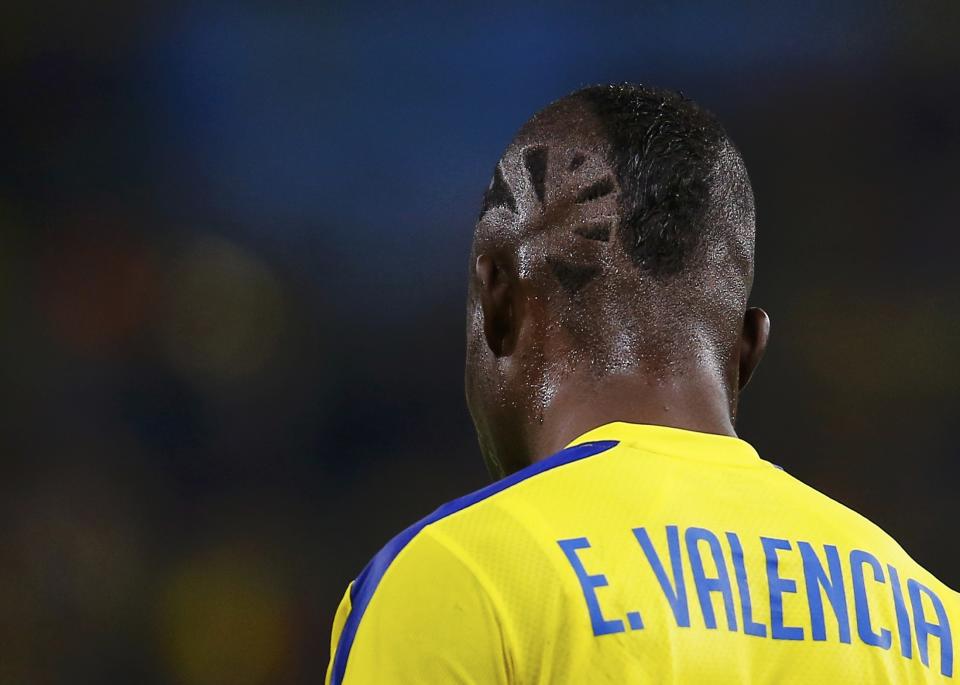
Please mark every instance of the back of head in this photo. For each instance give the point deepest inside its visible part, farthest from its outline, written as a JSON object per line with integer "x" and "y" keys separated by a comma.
{"x": 625, "y": 215}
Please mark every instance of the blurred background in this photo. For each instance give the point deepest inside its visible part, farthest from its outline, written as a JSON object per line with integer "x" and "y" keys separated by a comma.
{"x": 233, "y": 242}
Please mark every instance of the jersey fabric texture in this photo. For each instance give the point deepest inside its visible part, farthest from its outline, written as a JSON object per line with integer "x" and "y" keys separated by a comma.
{"x": 645, "y": 554}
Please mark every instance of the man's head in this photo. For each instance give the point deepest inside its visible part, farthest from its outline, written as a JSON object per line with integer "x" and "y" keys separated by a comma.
{"x": 616, "y": 239}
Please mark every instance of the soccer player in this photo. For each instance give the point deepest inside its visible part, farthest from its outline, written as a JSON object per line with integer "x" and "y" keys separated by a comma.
{"x": 632, "y": 537}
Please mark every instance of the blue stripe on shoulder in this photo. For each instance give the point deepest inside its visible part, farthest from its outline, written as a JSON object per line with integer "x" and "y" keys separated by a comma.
{"x": 366, "y": 583}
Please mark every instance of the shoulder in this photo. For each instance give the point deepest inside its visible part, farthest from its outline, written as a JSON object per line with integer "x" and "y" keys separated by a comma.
{"x": 837, "y": 517}
{"x": 406, "y": 546}
{"x": 854, "y": 531}
{"x": 426, "y": 564}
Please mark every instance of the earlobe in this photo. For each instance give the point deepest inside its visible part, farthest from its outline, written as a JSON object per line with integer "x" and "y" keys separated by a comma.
{"x": 497, "y": 291}
{"x": 753, "y": 343}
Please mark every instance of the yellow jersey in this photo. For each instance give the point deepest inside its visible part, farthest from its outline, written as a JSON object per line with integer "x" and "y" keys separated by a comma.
{"x": 645, "y": 554}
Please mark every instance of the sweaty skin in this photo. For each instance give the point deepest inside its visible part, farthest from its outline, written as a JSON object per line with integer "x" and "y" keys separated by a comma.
{"x": 565, "y": 332}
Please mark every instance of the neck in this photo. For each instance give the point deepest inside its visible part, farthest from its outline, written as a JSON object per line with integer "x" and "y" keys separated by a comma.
{"x": 695, "y": 400}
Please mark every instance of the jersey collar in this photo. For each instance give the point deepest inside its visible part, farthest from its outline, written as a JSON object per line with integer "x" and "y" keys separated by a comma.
{"x": 675, "y": 442}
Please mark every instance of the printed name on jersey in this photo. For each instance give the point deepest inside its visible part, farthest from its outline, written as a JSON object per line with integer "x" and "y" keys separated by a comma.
{"x": 830, "y": 582}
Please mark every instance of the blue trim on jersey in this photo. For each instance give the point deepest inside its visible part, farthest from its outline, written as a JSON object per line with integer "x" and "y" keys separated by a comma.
{"x": 366, "y": 583}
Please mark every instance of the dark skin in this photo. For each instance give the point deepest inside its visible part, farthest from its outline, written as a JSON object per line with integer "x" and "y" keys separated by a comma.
{"x": 524, "y": 409}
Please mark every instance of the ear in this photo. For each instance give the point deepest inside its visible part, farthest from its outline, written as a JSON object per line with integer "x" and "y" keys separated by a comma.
{"x": 753, "y": 342}
{"x": 497, "y": 290}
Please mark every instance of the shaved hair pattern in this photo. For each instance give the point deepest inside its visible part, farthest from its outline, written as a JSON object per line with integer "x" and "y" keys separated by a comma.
{"x": 662, "y": 149}
{"x": 633, "y": 205}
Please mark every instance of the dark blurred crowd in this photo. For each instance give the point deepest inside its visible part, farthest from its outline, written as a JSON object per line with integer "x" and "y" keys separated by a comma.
{"x": 233, "y": 245}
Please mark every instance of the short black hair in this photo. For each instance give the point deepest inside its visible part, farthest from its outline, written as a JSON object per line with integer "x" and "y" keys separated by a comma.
{"x": 637, "y": 208}
{"x": 663, "y": 147}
